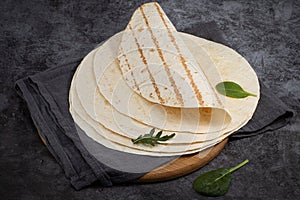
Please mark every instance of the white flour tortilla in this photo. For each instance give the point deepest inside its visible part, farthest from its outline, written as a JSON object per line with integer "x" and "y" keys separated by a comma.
{"x": 158, "y": 66}
{"x": 238, "y": 106}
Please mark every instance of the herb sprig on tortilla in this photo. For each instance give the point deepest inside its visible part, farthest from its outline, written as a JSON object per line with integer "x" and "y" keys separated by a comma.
{"x": 150, "y": 139}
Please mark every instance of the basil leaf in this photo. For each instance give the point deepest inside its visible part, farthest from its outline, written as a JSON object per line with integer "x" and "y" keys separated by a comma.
{"x": 232, "y": 89}
{"x": 216, "y": 182}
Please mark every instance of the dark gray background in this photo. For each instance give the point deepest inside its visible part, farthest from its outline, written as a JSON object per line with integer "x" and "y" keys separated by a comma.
{"x": 36, "y": 35}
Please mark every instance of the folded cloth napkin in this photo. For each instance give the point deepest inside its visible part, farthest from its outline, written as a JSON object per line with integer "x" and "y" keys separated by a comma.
{"x": 46, "y": 94}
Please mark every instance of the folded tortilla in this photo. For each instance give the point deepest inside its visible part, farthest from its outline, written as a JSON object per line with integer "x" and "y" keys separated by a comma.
{"x": 157, "y": 65}
{"x": 160, "y": 82}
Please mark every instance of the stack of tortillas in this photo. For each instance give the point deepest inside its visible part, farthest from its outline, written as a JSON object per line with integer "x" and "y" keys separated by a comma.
{"x": 151, "y": 76}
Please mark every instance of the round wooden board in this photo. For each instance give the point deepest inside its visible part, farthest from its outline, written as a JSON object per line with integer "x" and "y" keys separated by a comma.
{"x": 183, "y": 165}
{"x": 180, "y": 166}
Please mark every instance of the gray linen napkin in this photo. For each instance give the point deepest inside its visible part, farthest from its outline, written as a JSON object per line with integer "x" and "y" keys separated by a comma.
{"x": 46, "y": 94}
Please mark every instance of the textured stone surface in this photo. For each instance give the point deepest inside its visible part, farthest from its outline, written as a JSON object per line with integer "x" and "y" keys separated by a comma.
{"x": 36, "y": 35}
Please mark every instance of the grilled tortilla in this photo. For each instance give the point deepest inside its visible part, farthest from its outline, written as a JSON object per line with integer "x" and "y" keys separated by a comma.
{"x": 157, "y": 65}
{"x": 156, "y": 69}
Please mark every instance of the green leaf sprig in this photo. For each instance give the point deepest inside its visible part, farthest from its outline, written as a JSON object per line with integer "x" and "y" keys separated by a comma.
{"x": 150, "y": 139}
{"x": 216, "y": 182}
{"x": 233, "y": 90}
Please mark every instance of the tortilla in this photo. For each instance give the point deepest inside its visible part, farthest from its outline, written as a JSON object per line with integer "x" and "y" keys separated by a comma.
{"x": 242, "y": 109}
{"x": 111, "y": 100}
{"x": 166, "y": 79}
{"x": 158, "y": 66}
